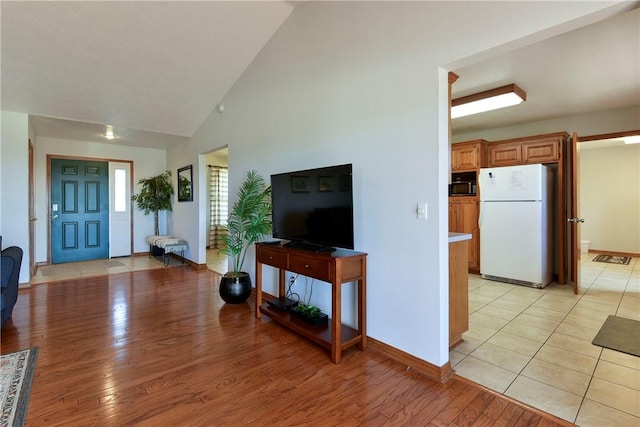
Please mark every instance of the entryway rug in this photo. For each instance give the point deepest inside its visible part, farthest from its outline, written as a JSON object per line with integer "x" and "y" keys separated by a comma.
{"x": 620, "y": 334}
{"x": 613, "y": 259}
{"x": 16, "y": 374}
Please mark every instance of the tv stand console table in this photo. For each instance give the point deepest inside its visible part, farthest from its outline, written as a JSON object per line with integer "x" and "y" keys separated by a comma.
{"x": 336, "y": 268}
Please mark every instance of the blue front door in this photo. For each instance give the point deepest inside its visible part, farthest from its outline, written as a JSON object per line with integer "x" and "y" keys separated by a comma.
{"x": 79, "y": 210}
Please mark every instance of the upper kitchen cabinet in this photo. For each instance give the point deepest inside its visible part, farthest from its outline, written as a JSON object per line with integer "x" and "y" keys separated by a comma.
{"x": 504, "y": 154}
{"x": 541, "y": 151}
{"x": 529, "y": 150}
{"x": 469, "y": 156}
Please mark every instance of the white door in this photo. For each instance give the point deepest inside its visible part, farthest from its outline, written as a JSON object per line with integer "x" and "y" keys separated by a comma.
{"x": 575, "y": 219}
{"x": 119, "y": 209}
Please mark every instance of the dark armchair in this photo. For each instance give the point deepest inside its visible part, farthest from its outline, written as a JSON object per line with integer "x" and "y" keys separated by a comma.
{"x": 10, "y": 274}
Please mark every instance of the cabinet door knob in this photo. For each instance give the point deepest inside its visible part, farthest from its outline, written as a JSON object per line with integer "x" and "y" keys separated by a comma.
{"x": 306, "y": 266}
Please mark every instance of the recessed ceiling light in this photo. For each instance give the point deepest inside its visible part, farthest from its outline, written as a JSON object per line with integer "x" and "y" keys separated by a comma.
{"x": 109, "y": 133}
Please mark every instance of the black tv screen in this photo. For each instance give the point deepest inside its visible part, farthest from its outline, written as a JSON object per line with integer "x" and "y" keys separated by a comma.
{"x": 314, "y": 207}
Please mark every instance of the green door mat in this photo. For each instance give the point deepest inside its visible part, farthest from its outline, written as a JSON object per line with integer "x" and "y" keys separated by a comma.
{"x": 619, "y": 334}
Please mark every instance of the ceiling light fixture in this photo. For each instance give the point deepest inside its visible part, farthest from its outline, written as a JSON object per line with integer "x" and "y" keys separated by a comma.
{"x": 109, "y": 133}
{"x": 493, "y": 99}
{"x": 634, "y": 139}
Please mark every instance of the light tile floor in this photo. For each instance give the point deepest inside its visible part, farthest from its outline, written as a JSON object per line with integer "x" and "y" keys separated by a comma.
{"x": 99, "y": 267}
{"x": 217, "y": 261}
{"x": 51, "y": 273}
{"x": 535, "y": 344}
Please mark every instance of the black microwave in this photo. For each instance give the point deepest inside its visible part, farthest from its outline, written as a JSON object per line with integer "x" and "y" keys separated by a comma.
{"x": 463, "y": 188}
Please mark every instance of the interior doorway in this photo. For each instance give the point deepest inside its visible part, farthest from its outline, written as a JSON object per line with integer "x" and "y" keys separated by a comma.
{"x": 217, "y": 208}
{"x": 609, "y": 193}
{"x": 32, "y": 214}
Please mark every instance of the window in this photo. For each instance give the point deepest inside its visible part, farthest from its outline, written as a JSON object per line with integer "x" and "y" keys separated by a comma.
{"x": 120, "y": 190}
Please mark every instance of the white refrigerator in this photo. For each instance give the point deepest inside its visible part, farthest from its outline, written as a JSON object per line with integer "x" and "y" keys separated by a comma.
{"x": 516, "y": 224}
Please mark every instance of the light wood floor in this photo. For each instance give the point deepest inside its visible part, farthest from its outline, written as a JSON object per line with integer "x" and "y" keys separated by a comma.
{"x": 159, "y": 348}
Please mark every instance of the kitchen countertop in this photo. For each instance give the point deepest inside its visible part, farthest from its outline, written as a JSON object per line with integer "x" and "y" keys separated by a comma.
{"x": 458, "y": 237}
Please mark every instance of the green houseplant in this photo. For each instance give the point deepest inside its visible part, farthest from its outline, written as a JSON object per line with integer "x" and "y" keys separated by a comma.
{"x": 310, "y": 314}
{"x": 154, "y": 196}
{"x": 249, "y": 221}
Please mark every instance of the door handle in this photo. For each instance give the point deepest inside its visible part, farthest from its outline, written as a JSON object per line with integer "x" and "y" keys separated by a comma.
{"x": 33, "y": 218}
{"x": 576, "y": 220}
{"x": 55, "y": 216}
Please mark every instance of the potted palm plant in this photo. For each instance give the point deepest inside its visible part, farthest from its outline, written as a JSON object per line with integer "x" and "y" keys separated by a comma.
{"x": 249, "y": 221}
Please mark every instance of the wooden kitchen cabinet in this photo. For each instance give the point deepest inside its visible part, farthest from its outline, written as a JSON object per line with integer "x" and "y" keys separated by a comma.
{"x": 468, "y": 156}
{"x": 463, "y": 218}
{"x": 505, "y": 154}
{"x": 458, "y": 291}
{"x": 531, "y": 150}
{"x": 542, "y": 151}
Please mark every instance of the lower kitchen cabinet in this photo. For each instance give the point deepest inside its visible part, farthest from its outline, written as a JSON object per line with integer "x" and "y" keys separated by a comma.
{"x": 463, "y": 218}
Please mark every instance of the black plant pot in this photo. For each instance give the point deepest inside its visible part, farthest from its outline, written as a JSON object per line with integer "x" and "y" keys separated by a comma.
{"x": 235, "y": 289}
{"x": 157, "y": 251}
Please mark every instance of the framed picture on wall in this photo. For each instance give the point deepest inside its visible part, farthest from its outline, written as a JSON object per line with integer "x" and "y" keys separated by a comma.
{"x": 185, "y": 184}
{"x": 326, "y": 183}
{"x": 300, "y": 184}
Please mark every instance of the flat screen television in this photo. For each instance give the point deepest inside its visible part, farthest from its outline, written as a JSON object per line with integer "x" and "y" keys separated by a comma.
{"x": 313, "y": 208}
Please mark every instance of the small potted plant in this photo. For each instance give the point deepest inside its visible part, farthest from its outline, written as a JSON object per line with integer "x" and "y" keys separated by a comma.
{"x": 249, "y": 221}
{"x": 310, "y": 314}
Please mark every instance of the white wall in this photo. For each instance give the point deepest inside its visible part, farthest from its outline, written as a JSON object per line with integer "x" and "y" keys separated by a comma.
{"x": 609, "y": 197}
{"x": 147, "y": 162}
{"x": 602, "y": 122}
{"x": 366, "y": 83}
{"x": 14, "y": 186}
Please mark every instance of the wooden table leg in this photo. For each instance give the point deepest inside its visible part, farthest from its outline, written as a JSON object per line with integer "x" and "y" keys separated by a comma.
{"x": 258, "y": 288}
{"x": 336, "y": 323}
{"x": 362, "y": 314}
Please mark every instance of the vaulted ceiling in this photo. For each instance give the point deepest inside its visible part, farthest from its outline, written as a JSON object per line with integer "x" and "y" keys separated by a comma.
{"x": 139, "y": 66}
{"x": 155, "y": 70}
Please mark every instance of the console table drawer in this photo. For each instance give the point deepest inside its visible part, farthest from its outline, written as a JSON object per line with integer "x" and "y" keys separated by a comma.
{"x": 317, "y": 268}
{"x": 272, "y": 257}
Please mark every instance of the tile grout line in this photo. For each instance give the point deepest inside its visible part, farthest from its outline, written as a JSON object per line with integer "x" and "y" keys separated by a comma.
{"x": 626, "y": 290}
{"x": 520, "y": 372}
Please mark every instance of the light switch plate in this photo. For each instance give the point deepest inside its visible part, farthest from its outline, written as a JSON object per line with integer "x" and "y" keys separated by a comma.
{"x": 421, "y": 210}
